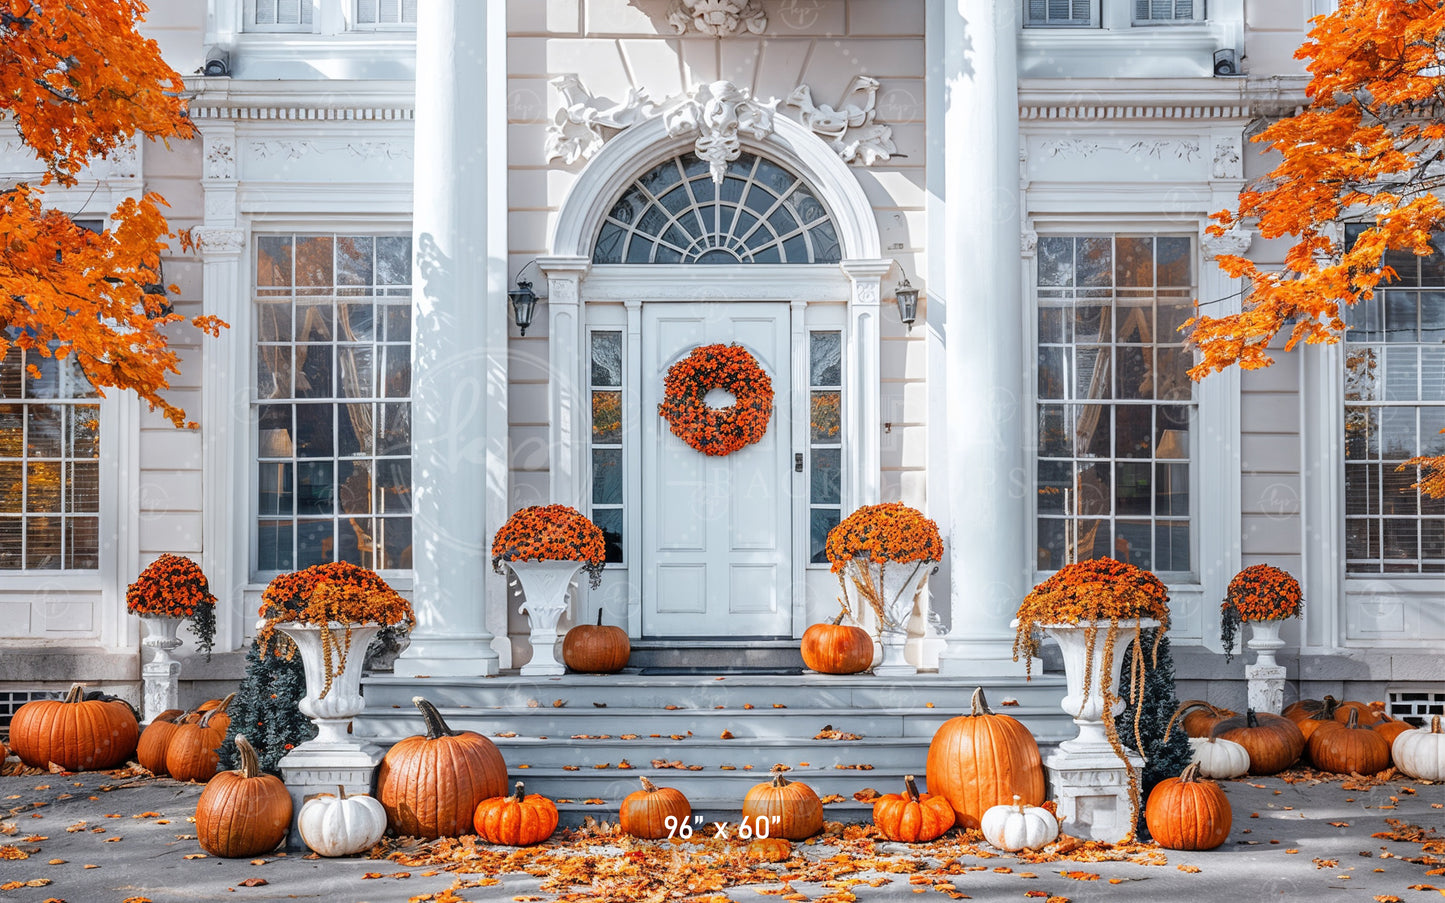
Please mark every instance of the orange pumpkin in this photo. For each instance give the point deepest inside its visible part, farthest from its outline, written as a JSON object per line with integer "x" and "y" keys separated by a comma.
{"x": 430, "y": 784}
{"x": 194, "y": 751}
{"x": 596, "y": 649}
{"x": 1390, "y": 727}
{"x": 1308, "y": 708}
{"x": 1349, "y": 748}
{"x": 981, "y": 760}
{"x": 1273, "y": 742}
{"x": 1199, "y": 716}
{"x": 150, "y": 751}
{"x": 911, "y": 817}
{"x": 783, "y": 808}
{"x": 1323, "y": 715}
{"x": 243, "y": 812}
{"x": 519, "y": 820}
{"x": 1187, "y": 813}
{"x": 1367, "y": 712}
{"x": 837, "y": 648}
{"x": 645, "y": 812}
{"x": 75, "y": 733}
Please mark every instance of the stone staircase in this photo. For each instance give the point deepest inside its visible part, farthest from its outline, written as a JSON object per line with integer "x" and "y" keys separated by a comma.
{"x": 713, "y": 735}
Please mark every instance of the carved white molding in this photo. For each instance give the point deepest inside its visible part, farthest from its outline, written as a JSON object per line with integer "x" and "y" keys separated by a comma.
{"x": 213, "y": 240}
{"x": 1028, "y": 243}
{"x": 367, "y": 150}
{"x": 1235, "y": 240}
{"x": 313, "y": 113}
{"x": 1158, "y": 148}
{"x": 720, "y": 113}
{"x": 718, "y": 18}
{"x": 220, "y": 160}
{"x": 124, "y": 161}
{"x": 850, "y": 129}
{"x": 1228, "y": 163}
{"x": 1100, "y": 111}
{"x": 576, "y": 128}
{"x": 284, "y": 149}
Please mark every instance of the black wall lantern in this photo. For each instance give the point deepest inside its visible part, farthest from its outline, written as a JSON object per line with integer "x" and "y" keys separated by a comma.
{"x": 907, "y": 297}
{"x": 524, "y": 302}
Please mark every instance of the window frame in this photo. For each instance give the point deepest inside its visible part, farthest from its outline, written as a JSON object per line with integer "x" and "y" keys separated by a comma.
{"x": 1199, "y": 14}
{"x": 1094, "y": 20}
{"x": 625, "y": 431}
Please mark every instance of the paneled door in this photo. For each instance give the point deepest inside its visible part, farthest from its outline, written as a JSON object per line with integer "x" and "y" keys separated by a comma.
{"x": 716, "y": 530}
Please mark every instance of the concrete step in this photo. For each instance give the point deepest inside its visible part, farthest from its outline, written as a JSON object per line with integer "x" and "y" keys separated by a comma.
{"x": 729, "y": 653}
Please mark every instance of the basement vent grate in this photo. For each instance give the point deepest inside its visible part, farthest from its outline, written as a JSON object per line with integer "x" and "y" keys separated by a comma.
{"x": 10, "y": 700}
{"x": 1415, "y": 706}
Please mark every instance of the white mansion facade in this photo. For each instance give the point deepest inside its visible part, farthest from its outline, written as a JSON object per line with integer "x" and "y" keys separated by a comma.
{"x": 374, "y": 176}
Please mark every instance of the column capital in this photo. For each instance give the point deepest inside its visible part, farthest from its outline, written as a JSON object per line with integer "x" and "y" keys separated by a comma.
{"x": 219, "y": 241}
{"x": 862, "y": 268}
{"x": 560, "y": 266}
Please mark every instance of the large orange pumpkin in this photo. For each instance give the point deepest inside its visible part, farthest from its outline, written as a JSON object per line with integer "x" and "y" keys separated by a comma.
{"x": 1273, "y": 742}
{"x": 150, "y": 750}
{"x": 1349, "y": 748}
{"x": 430, "y": 784}
{"x": 1199, "y": 716}
{"x": 837, "y": 648}
{"x": 243, "y": 812}
{"x": 596, "y": 648}
{"x": 1187, "y": 813}
{"x": 75, "y": 733}
{"x": 783, "y": 808}
{"x": 645, "y": 812}
{"x": 981, "y": 760}
{"x": 519, "y": 820}
{"x": 912, "y": 817}
{"x": 194, "y": 751}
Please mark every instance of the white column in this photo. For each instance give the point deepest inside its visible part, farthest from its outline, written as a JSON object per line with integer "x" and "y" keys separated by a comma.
{"x": 568, "y": 422}
{"x": 983, "y": 329}
{"x": 862, "y": 416}
{"x": 459, "y": 339}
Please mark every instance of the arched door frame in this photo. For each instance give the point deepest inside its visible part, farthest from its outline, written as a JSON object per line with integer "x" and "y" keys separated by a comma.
{"x": 573, "y": 281}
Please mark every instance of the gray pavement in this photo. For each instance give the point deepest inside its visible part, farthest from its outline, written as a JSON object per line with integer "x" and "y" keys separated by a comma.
{"x": 114, "y": 837}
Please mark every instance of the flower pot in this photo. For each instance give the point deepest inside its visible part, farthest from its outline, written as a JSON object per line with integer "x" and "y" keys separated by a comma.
{"x": 544, "y": 591}
{"x": 1264, "y": 640}
{"x": 1088, "y": 710}
{"x": 332, "y": 712}
{"x": 897, "y": 585}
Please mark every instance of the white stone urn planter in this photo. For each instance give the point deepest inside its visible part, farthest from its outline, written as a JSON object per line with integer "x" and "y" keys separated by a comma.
{"x": 1266, "y": 676}
{"x": 161, "y": 674}
{"x": 544, "y": 591}
{"x": 899, "y": 584}
{"x": 1264, "y": 640}
{"x": 1089, "y": 779}
{"x": 332, "y": 712}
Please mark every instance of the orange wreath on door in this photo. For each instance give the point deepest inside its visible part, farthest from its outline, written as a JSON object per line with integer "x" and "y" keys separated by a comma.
{"x": 717, "y": 431}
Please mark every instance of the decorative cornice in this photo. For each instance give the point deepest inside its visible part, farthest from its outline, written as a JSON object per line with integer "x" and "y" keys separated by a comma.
{"x": 1235, "y": 240}
{"x": 1033, "y": 112}
{"x": 301, "y": 114}
{"x": 219, "y": 240}
{"x": 718, "y": 18}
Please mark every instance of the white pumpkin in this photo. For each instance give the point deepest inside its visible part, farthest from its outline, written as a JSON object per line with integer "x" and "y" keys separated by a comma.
{"x": 1019, "y": 827}
{"x": 1421, "y": 753}
{"x": 341, "y": 825}
{"x": 1218, "y": 758}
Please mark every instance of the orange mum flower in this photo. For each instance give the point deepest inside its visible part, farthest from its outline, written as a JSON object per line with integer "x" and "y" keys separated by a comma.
{"x": 717, "y": 431}
{"x": 1260, "y": 592}
{"x": 891, "y": 531}
{"x": 174, "y": 586}
{"x": 550, "y": 533}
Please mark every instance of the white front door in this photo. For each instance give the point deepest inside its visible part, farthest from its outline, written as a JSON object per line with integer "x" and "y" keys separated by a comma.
{"x": 716, "y": 530}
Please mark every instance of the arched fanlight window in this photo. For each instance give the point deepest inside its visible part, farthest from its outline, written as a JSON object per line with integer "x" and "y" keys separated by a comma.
{"x": 674, "y": 213}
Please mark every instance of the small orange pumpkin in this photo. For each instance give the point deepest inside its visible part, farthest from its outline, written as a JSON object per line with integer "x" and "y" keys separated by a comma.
{"x": 519, "y": 820}
{"x": 783, "y": 808}
{"x": 645, "y": 812}
{"x": 837, "y": 648}
{"x": 1307, "y": 708}
{"x": 1323, "y": 715}
{"x": 194, "y": 751}
{"x": 1187, "y": 813}
{"x": 75, "y": 732}
{"x": 243, "y": 812}
{"x": 911, "y": 817}
{"x": 150, "y": 752}
{"x": 1349, "y": 748}
{"x": 1367, "y": 712}
{"x": 1199, "y": 716}
{"x": 1390, "y": 727}
{"x": 596, "y": 648}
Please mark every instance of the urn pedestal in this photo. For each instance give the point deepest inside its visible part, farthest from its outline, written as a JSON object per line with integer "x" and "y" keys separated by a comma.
{"x": 544, "y": 591}
{"x": 333, "y": 756}
{"x": 1265, "y": 676}
{"x": 1090, "y": 781}
{"x": 161, "y": 675}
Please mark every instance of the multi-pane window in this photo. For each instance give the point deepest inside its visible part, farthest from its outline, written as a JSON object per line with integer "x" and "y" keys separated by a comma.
{"x": 279, "y": 15}
{"x": 382, "y": 13}
{"x": 1156, "y": 12}
{"x": 1394, "y": 411}
{"x": 49, "y": 465}
{"x": 1061, "y": 12}
{"x": 825, "y": 439}
{"x": 1115, "y": 403}
{"x": 608, "y": 478}
{"x": 675, "y": 213}
{"x": 332, "y": 401}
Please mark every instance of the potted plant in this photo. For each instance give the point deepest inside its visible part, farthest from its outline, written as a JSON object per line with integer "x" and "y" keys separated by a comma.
{"x": 545, "y": 546}
{"x": 170, "y": 589}
{"x": 1086, "y": 606}
{"x": 329, "y": 612}
{"x": 887, "y": 552}
{"x": 1261, "y": 595}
